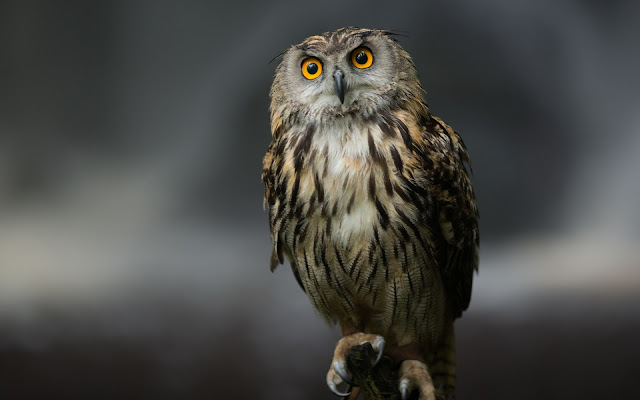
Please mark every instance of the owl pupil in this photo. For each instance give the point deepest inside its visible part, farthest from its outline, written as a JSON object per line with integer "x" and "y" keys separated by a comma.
{"x": 362, "y": 58}
{"x": 312, "y": 68}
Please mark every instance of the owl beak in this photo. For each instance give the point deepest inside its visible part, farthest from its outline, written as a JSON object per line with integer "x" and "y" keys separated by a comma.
{"x": 338, "y": 78}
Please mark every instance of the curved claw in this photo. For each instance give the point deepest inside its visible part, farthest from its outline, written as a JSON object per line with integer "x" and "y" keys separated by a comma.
{"x": 404, "y": 389}
{"x": 378, "y": 345}
{"x": 341, "y": 370}
{"x": 334, "y": 388}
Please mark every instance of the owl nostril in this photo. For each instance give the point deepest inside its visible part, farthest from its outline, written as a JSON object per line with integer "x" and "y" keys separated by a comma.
{"x": 338, "y": 77}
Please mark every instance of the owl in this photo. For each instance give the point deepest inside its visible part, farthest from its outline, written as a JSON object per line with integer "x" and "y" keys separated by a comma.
{"x": 370, "y": 200}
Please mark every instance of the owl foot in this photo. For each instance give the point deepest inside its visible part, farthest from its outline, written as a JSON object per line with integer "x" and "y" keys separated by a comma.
{"x": 338, "y": 372}
{"x": 415, "y": 376}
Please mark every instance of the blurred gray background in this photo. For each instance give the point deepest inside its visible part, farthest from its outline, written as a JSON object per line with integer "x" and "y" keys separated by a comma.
{"x": 134, "y": 248}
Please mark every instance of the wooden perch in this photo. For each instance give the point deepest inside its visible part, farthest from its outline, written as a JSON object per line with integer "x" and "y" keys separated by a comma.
{"x": 377, "y": 383}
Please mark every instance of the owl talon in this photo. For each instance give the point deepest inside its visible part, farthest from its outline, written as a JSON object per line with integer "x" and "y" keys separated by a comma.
{"x": 378, "y": 345}
{"x": 404, "y": 389}
{"x": 338, "y": 373}
{"x": 415, "y": 376}
{"x": 333, "y": 385}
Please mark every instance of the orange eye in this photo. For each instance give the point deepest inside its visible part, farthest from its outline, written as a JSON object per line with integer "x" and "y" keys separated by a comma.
{"x": 311, "y": 68}
{"x": 362, "y": 57}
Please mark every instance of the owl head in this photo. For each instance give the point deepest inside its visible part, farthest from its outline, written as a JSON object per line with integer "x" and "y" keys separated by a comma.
{"x": 349, "y": 71}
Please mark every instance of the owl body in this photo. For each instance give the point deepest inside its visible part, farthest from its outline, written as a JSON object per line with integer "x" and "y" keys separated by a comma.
{"x": 368, "y": 194}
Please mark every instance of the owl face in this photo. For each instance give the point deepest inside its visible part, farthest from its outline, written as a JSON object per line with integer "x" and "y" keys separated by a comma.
{"x": 348, "y": 70}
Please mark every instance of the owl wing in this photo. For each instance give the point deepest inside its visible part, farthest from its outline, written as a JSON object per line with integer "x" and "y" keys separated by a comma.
{"x": 271, "y": 201}
{"x": 275, "y": 202}
{"x": 456, "y": 211}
